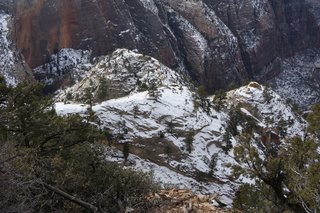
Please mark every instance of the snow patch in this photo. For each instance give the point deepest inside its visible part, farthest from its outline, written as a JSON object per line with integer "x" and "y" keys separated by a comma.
{"x": 150, "y": 5}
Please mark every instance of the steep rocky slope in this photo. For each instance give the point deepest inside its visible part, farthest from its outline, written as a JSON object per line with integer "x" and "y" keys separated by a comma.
{"x": 12, "y": 64}
{"x": 216, "y": 42}
{"x": 157, "y": 127}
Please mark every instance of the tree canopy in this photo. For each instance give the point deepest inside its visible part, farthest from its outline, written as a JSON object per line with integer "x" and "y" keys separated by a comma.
{"x": 52, "y": 163}
{"x": 289, "y": 172}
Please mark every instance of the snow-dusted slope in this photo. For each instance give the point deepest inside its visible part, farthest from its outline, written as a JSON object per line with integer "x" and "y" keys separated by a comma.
{"x": 267, "y": 108}
{"x": 157, "y": 129}
{"x": 6, "y": 54}
{"x": 300, "y": 79}
{"x": 60, "y": 64}
{"x": 124, "y": 72}
{"x": 12, "y": 65}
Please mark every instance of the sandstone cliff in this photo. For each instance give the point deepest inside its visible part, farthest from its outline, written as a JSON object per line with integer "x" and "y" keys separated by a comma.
{"x": 218, "y": 42}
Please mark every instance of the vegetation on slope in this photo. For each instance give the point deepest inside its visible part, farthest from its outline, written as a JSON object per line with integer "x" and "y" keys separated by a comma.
{"x": 51, "y": 163}
{"x": 286, "y": 175}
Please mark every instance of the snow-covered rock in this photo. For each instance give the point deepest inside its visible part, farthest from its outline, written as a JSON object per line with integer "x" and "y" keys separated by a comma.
{"x": 59, "y": 65}
{"x": 300, "y": 78}
{"x": 156, "y": 129}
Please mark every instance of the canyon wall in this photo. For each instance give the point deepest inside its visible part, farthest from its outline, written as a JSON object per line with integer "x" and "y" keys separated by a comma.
{"x": 217, "y": 42}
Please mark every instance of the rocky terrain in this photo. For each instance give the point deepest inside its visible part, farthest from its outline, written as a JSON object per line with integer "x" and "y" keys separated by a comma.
{"x": 216, "y": 42}
{"x": 137, "y": 66}
{"x": 156, "y": 123}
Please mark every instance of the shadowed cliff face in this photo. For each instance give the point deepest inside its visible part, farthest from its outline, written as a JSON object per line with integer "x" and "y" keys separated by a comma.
{"x": 190, "y": 37}
{"x": 268, "y": 29}
{"x": 218, "y": 42}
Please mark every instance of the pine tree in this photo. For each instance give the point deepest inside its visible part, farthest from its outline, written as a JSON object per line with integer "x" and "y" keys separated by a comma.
{"x": 153, "y": 90}
{"x": 235, "y": 119}
{"x": 88, "y": 98}
{"x": 226, "y": 138}
{"x": 47, "y": 160}
{"x": 135, "y": 110}
{"x": 218, "y": 100}
{"x": 291, "y": 172}
{"x": 102, "y": 93}
{"x": 125, "y": 151}
{"x": 189, "y": 140}
{"x": 314, "y": 120}
{"x": 202, "y": 96}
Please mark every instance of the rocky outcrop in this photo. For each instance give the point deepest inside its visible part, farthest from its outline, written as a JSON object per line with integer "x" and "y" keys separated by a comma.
{"x": 218, "y": 42}
{"x": 268, "y": 29}
{"x": 190, "y": 37}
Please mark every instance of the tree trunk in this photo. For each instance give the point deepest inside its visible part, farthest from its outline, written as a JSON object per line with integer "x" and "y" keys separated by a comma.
{"x": 74, "y": 199}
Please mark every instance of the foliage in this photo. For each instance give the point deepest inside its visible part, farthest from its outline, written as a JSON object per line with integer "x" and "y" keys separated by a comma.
{"x": 202, "y": 95}
{"x": 102, "y": 93}
{"x": 314, "y": 120}
{"x": 125, "y": 151}
{"x": 135, "y": 110}
{"x": 232, "y": 86}
{"x": 290, "y": 173}
{"x": 282, "y": 128}
{"x": 189, "y": 140}
{"x": 201, "y": 99}
{"x": 170, "y": 126}
{"x": 88, "y": 97}
{"x": 255, "y": 198}
{"x": 42, "y": 154}
{"x": 218, "y": 100}
{"x": 143, "y": 87}
{"x": 213, "y": 163}
{"x": 153, "y": 90}
{"x": 249, "y": 126}
{"x": 81, "y": 171}
{"x": 226, "y": 139}
{"x": 235, "y": 119}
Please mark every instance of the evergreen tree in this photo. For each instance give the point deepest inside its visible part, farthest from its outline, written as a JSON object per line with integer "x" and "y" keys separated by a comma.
{"x": 102, "y": 93}
{"x": 189, "y": 140}
{"x": 125, "y": 151}
{"x": 202, "y": 96}
{"x": 213, "y": 163}
{"x": 226, "y": 138}
{"x": 218, "y": 100}
{"x": 88, "y": 97}
{"x": 314, "y": 120}
{"x": 235, "y": 119}
{"x": 135, "y": 110}
{"x": 47, "y": 160}
{"x": 170, "y": 126}
{"x": 291, "y": 172}
{"x": 153, "y": 90}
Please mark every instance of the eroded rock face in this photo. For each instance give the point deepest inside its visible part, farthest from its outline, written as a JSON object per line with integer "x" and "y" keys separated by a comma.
{"x": 218, "y": 42}
{"x": 191, "y": 37}
{"x": 268, "y": 29}
{"x": 12, "y": 65}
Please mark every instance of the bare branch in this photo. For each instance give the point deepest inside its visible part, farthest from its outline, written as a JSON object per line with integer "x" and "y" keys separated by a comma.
{"x": 73, "y": 199}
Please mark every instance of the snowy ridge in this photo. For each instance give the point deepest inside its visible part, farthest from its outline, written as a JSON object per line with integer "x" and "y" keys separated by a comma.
{"x": 125, "y": 71}
{"x": 276, "y": 109}
{"x": 157, "y": 129}
{"x": 175, "y": 104}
